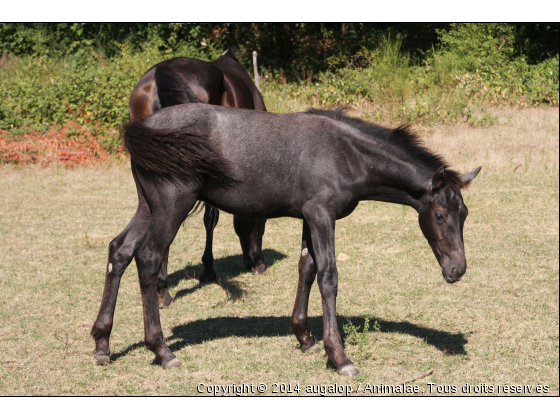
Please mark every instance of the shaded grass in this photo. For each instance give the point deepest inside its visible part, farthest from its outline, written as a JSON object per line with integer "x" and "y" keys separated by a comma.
{"x": 498, "y": 325}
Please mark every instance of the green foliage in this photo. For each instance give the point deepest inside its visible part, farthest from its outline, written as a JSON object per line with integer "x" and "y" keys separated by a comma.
{"x": 492, "y": 42}
{"x": 354, "y": 337}
{"x": 87, "y": 89}
{"x": 500, "y": 42}
{"x": 55, "y": 73}
{"x": 442, "y": 89}
{"x": 296, "y": 49}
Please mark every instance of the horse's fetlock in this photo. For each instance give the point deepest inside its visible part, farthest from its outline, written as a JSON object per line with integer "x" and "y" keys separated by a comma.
{"x": 207, "y": 260}
{"x": 101, "y": 329}
{"x": 152, "y": 342}
{"x": 298, "y": 322}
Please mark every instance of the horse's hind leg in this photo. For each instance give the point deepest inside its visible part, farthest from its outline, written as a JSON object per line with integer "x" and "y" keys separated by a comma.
{"x": 167, "y": 215}
{"x": 211, "y": 217}
{"x": 255, "y": 246}
{"x": 307, "y": 272}
{"x": 121, "y": 251}
{"x": 250, "y": 234}
{"x": 164, "y": 298}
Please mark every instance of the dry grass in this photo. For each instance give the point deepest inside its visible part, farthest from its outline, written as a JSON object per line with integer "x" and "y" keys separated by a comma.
{"x": 498, "y": 325}
{"x": 522, "y": 140}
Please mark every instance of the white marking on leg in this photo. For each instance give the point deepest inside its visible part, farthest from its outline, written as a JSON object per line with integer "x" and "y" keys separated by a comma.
{"x": 109, "y": 268}
{"x": 304, "y": 252}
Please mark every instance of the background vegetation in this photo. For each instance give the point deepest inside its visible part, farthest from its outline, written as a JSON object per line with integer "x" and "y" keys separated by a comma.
{"x": 425, "y": 73}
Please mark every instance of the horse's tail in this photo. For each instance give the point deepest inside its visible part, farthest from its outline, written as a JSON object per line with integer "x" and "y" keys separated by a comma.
{"x": 172, "y": 89}
{"x": 175, "y": 154}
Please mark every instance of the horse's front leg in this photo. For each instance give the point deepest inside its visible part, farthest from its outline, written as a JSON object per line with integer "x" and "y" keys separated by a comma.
{"x": 322, "y": 226}
{"x": 307, "y": 272}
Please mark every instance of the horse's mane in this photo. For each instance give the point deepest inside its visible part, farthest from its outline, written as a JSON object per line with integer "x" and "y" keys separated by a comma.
{"x": 403, "y": 136}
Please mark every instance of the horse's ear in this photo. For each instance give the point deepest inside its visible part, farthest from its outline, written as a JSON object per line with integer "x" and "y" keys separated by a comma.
{"x": 438, "y": 180}
{"x": 467, "y": 178}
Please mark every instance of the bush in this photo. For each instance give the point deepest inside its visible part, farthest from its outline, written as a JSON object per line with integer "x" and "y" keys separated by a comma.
{"x": 37, "y": 92}
{"x": 385, "y": 84}
{"x": 441, "y": 89}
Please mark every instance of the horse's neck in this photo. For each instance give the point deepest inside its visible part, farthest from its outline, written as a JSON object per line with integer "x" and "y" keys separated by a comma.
{"x": 395, "y": 178}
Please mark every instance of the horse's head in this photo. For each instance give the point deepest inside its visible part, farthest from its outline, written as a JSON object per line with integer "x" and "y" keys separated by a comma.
{"x": 441, "y": 216}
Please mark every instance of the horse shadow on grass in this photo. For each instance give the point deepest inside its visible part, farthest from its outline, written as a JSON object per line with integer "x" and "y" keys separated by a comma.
{"x": 199, "y": 331}
{"x": 226, "y": 268}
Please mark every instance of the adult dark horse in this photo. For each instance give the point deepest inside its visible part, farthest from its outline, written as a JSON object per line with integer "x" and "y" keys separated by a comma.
{"x": 316, "y": 166}
{"x": 221, "y": 82}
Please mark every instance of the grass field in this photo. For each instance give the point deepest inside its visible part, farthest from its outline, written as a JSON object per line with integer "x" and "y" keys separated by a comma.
{"x": 498, "y": 326}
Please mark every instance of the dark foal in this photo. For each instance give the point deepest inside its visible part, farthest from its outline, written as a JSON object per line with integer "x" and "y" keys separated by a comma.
{"x": 316, "y": 166}
{"x": 221, "y": 82}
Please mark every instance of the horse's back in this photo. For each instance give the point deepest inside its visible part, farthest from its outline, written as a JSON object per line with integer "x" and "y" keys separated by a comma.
{"x": 297, "y": 154}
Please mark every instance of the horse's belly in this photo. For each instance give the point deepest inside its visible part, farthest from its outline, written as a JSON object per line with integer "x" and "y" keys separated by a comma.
{"x": 251, "y": 203}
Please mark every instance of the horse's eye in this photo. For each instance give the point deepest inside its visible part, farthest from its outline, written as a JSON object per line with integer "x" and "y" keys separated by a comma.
{"x": 439, "y": 217}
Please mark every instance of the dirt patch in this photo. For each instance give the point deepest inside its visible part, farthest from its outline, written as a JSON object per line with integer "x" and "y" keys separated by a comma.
{"x": 71, "y": 145}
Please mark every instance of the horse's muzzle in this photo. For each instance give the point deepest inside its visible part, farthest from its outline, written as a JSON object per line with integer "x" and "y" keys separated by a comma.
{"x": 453, "y": 277}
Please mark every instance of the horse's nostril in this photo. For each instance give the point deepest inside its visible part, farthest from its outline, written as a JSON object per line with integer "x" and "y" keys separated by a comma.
{"x": 454, "y": 271}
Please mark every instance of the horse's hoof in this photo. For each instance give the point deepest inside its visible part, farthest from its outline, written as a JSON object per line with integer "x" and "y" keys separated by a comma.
{"x": 165, "y": 301}
{"x": 259, "y": 269}
{"x": 313, "y": 349}
{"x": 349, "y": 370}
{"x": 102, "y": 359}
{"x": 206, "y": 277}
{"x": 174, "y": 363}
